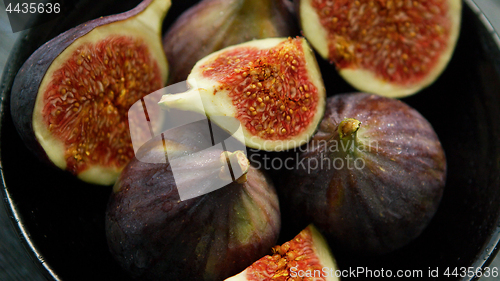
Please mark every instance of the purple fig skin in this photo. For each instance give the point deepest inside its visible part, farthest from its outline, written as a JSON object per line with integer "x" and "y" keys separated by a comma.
{"x": 156, "y": 236}
{"x": 28, "y": 79}
{"x": 212, "y": 25}
{"x": 390, "y": 196}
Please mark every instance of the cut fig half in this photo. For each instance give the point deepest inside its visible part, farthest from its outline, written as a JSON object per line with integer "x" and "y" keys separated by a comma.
{"x": 390, "y": 48}
{"x": 305, "y": 256}
{"x": 71, "y": 97}
{"x": 273, "y": 87}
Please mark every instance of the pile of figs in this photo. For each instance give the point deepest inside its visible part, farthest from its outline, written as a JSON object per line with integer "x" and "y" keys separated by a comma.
{"x": 364, "y": 170}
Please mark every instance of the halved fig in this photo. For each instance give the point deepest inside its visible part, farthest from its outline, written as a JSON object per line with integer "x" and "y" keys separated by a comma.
{"x": 215, "y": 24}
{"x": 393, "y": 48}
{"x": 305, "y": 256}
{"x": 70, "y": 99}
{"x": 273, "y": 87}
{"x": 156, "y": 235}
{"x": 371, "y": 178}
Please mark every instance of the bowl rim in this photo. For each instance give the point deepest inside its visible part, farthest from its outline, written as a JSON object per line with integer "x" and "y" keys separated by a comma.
{"x": 12, "y": 211}
{"x": 38, "y": 258}
{"x": 492, "y": 246}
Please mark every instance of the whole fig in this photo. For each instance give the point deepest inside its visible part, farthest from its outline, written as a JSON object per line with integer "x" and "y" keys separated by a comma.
{"x": 371, "y": 178}
{"x": 155, "y": 235}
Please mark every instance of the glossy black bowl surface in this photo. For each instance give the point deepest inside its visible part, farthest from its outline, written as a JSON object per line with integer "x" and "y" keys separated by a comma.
{"x": 61, "y": 220}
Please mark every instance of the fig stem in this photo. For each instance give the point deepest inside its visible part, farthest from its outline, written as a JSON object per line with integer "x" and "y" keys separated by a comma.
{"x": 238, "y": 163}
{"x": 189, "y": 101}
{"x": 348, "y": 128}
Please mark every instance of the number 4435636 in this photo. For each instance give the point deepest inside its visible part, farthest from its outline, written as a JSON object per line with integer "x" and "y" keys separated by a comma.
{"x": 33, "y": 8}
{"x": 471, "y": 272}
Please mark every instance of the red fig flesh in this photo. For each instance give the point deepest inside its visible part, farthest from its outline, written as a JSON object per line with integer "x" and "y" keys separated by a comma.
{"x": 390, "y": 48}
{"x": 273, "y": 87}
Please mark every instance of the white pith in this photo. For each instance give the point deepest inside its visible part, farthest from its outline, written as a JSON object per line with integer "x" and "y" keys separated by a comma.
{"x": 322, "y": 251}
{"x": 220, "y": 104}
{"x": 312, "y": 28}
{"x": 146, "y": 26}
{"x": 366, "y": 80}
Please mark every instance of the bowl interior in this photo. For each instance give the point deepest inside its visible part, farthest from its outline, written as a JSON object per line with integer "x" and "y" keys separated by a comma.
{"x": 63, "y": 218}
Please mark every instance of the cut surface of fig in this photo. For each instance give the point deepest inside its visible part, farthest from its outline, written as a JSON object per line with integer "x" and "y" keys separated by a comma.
{"x": 273, "y": 87}
{"x": 215, "y": 24}
{"x": 305, "y": 256}
{"x": 155, "y": 235}
{"x": 70, "y": 99}
{"x": 390, "y": 48}
{"x": 372, "y": 176}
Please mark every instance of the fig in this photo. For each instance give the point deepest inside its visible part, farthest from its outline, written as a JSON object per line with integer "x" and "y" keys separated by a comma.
{"x": 390, "y": 48}
{"x": 305, "y": 256}
{"x": 372, "y": 177}
{"x": 215, "y": 24}
{"x": 70, "y": 98}
{"x": 272, "y": 87}
{"x": 155, "y": 235}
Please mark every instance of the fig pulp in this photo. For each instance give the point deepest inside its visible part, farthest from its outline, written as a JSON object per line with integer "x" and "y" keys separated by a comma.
{"x": 371, "y": 178}
{"x": 305, "y": 256}
{"x": 273, "y": 87}
{"x": 215, "y": 24}
{"x": 155, "y": 235}
{"x": 70, "y": 98}
{"x": 390, "y": 48}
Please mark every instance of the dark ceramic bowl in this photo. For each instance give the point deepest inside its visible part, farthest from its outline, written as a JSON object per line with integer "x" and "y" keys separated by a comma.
{"x": 61, "y": 220}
